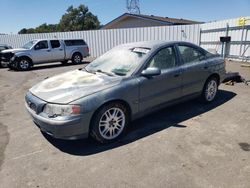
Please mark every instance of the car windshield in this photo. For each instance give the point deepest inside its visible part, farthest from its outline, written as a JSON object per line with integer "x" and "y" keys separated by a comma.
{"x": 119, "y": 61}
{"x": 29, "y": 44}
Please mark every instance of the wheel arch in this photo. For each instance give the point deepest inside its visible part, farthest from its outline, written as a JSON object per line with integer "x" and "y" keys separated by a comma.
{"x": 214, "y": 75}
{"x": 76, "y": 52}
{"x": 120, "y": 101}
{"x": 26, "y": 57}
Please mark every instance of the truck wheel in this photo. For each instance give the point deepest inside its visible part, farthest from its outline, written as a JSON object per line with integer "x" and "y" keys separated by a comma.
{"x": 76, "y": 58}
{"x": 3, "y": 64}
{"x": 24, "y": 64}
{"x": 109, "y": 122}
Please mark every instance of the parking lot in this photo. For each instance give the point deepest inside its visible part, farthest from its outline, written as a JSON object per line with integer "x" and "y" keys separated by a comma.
{"x": 187, "y": 145}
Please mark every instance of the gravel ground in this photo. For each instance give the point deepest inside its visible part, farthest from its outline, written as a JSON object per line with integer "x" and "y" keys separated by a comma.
{"x": 187, "y": 145}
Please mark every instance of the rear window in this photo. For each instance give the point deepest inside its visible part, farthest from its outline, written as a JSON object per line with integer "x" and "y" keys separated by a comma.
{"x": 55, "y": 43}
{"x": 74, "y": 42}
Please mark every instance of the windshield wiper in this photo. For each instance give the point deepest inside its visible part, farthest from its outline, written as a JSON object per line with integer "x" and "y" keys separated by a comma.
{"x": 89, "y": 71}
{"x": 119, "y": 73}
{"x": 107, "y": 73}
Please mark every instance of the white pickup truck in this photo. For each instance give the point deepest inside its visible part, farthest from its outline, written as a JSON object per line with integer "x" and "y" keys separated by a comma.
{"x": 45, "y": 51}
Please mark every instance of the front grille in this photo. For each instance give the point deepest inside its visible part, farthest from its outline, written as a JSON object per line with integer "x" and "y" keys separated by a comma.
{"x": 7, "y": 56}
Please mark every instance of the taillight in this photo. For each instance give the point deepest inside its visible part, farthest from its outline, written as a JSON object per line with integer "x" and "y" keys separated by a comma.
{"x": 87, "y": 49}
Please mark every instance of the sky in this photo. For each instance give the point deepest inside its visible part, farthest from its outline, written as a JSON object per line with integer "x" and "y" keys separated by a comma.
{"x": 18, "y": 14}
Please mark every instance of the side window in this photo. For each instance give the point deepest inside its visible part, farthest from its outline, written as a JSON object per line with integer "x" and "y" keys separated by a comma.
{"x": 55, "y": 43}
{"x": 41, "y": 45}
{"x": 190, "y": 54}
{"x": 74, "y": 42}
{"x": 2, "y": 48}
{"x": 164, "y": 59}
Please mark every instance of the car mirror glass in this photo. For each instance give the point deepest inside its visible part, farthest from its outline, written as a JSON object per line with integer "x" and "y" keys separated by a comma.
{"x": 151, "y": 71}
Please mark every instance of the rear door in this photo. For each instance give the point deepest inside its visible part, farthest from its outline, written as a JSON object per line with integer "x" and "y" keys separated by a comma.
{"x": 194, "y": 69}
{"x": 57, "y": 50}
{"x": 160, "y": 89}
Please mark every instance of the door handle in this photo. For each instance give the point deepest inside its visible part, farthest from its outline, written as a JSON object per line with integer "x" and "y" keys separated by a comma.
{"x": 177, "y": 75}
{"x": 48, "y": 50}
{"x": 206, "y": 67}
{"x": 61, "y": 49}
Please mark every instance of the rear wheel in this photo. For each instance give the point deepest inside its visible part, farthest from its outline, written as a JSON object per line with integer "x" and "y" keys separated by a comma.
{"x": 109, "y": 123}
{"x": 23, "y": 64}
{"x": 76, "y": 58}
{"x": 210, "y": 90}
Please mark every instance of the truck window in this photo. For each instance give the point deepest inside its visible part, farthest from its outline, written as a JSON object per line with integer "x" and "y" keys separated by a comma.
{"x": 41, "y": 45}
{"x": 74, "y": 42}
{"x": 55, "y": 43}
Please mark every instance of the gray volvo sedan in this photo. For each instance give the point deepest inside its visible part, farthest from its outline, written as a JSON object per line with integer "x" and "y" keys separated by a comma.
{"x": 124, "y": 84}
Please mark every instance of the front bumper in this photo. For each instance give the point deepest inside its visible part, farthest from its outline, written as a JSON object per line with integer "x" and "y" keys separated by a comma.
{"x": 74, "y": 128}
{"x": 6, "y": 57}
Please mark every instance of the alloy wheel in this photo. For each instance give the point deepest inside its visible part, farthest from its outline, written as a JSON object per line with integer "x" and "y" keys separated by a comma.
{"x": 211, "y": 90}
{"x": 112, "y": 123}
{"x": 24, "y": 64}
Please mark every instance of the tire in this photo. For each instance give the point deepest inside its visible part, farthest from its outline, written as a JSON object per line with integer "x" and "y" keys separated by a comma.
{"x": 3, "y": 65}
{"x": 109, "y": 123}
{"x": 210, "y": 90}
{"x": 12, "y": 65}
{"x": 24, "y": 64}
{"x": 76, "y": 58}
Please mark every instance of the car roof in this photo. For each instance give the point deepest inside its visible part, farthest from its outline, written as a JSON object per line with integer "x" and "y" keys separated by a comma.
{"x": 57, "y": 39}
{"x": 154, "y": 44}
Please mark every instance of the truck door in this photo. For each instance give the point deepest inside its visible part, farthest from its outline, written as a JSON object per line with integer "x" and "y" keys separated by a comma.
{"x": 41, "y": 52}
{"x": 57, "y": 50}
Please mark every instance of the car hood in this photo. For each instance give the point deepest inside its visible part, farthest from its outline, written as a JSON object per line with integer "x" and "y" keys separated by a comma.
{"x": 14, "y": 50}
{"x": 70, "y": 86}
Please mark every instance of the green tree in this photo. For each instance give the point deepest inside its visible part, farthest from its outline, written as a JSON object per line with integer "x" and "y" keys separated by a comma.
{"x": 75, "y": 19}
{"x": 44, "y": 28}
{"x": 23, "y": 31}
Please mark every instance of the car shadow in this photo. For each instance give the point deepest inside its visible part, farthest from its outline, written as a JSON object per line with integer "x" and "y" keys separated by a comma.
{"x": 169, "y": 117}
{"x": 54, "y": 65}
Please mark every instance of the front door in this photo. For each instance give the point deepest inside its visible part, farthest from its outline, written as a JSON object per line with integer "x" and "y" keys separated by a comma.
{"x": 42, "y": 52}
{"x": 160, "y": 89}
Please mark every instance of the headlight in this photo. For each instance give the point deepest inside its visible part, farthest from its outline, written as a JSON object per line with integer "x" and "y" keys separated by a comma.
{"x": 54, "y": 110}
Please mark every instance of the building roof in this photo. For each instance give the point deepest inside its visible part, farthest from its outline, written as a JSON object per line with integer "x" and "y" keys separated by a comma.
{"x": 167, "y": 20}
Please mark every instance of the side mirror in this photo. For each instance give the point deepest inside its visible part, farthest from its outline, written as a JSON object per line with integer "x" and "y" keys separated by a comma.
{"x": 36, "y": 47}
{"x": 151, "y": 71}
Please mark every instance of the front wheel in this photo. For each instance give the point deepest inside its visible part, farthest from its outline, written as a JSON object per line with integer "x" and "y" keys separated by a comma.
{"x": 210, "y": 90}
{"x": 24, "y": 64}
{"x": 109, "y": 123}
{"x": 76, "y": 58}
